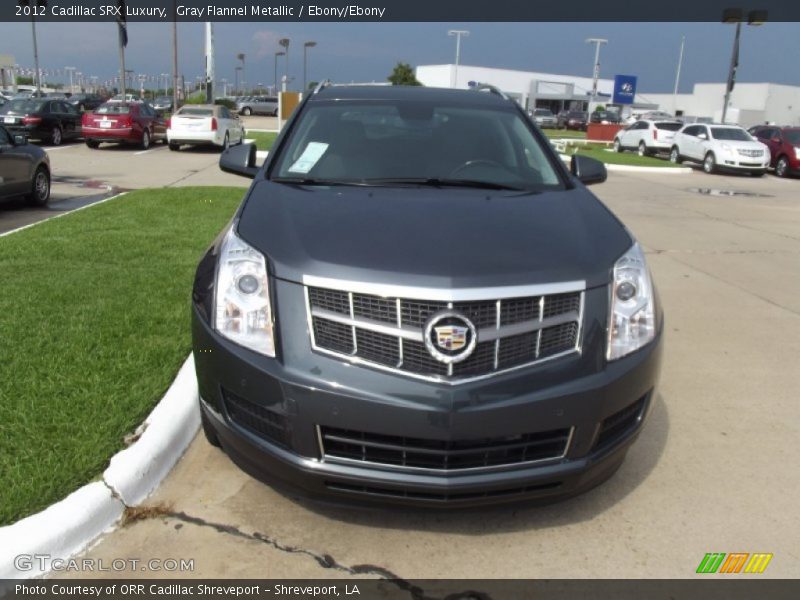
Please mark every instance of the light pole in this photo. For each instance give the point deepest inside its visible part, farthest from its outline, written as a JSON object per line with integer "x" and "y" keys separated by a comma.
{"x": 457, "y": 33}
{"x": 678, "y": 77}
{"x": 277, "y": 54}
{"x": 240, "y": 57}
{"x": 37, "y": 74}
{"x": 236, "y": 81}
{"x": 306, "y": 46}
{"x": 284, "y": 43}
{"x": 224, "y": 87}
{"x": 596, "y": 75}
{"x": 736, "y": 15}
{"x": 70, "y": 70}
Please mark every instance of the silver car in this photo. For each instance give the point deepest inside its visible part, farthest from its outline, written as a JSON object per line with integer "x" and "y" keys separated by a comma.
{"x": 544, "y": 118}
{"x": 258, "y": 105}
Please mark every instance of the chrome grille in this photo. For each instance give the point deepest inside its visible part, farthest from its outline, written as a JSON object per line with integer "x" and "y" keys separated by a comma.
{"x": 387, "y": 331}
{"x": 442, "y": 455}
{"x": 751, "y": 153}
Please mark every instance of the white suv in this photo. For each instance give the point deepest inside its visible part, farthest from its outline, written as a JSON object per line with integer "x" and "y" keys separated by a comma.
{"x": 647, "y": 136}
{"x": 720, "y": 147}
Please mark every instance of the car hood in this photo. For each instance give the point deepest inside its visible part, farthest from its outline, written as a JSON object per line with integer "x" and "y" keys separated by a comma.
{"x": 433, "y": 237}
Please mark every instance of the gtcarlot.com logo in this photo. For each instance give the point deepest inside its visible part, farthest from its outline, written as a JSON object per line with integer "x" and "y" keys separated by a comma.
{"x": 736, "y": 562}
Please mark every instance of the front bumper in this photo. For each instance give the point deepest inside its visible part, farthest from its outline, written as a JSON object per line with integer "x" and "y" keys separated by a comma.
{"x": 293, "y": 398}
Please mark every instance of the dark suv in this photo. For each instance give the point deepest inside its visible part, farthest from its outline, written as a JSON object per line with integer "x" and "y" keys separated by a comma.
{"x": 417, "y": 302}
{"x": 784, "y": 147}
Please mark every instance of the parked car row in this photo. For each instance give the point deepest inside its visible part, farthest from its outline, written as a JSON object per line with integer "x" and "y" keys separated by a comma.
{"x": 716, "y": 147}
{"x": 24, "y": 169}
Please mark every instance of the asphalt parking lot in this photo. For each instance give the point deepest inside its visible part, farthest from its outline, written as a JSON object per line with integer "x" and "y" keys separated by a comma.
{"x": 712, "y": 472}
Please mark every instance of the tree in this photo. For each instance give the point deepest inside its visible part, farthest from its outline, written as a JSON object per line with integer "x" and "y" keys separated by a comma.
{"x": 403, "y": 74}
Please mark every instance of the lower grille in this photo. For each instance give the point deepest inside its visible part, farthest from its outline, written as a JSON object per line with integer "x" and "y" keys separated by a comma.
{"x": 403, "y": 493}
{"x": 442, "y": 455}
{"x": 255, "y": 418}
{"x": 619, "y": 424}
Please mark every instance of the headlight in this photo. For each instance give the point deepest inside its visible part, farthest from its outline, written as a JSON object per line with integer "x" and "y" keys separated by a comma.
{"x": 632, "y": 322}
{"x": 242, "y": 307}
{"x": 797, "y": 152}
{"x": 726, "y": 147}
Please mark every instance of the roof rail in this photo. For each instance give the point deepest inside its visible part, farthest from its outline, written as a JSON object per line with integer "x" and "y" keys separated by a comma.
{"x": 321, "y": 86}
{"x": 488, "y": 87}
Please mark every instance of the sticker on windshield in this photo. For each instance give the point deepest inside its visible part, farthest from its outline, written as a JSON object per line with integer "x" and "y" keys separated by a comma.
{"x": 309, "y": 158}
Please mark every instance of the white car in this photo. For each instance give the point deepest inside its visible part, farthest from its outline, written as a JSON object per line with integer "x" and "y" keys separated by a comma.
{"x": 651, "y": 115}
{"x": 720, "y": 147}
{"x": 647, "y": 136}
{"x": 204, "y": 125}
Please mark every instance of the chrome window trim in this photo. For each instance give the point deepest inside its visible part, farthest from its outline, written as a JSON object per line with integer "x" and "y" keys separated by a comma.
{"x": 324, "y": 458}
{"x": 459, "y": 295}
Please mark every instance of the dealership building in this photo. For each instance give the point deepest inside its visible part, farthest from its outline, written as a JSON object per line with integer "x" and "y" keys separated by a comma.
{"x": 750, "y": 103}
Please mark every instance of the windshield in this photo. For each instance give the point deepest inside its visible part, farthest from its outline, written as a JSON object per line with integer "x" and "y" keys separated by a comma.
{"x": 792, "y": 136}
{"x": 414, "y": 142}
{"x": 730, "y": 133}
{"x": 542, "y": 112}
{"x": 114, "y": 109}
{"x": 22, "y": 106}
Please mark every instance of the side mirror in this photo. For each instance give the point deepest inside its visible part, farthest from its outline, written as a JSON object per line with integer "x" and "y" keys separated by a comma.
{"x": 702, "y": 136}
{"x": 20, "y": 140}
{"x": 777, "y": 139}
{"x": 240, "y": 160}
{"x": 587, "y": 170}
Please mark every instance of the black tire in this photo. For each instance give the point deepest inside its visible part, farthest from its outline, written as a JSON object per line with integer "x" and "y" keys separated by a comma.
{"x": 174, "y": 147}
{"x": 40, "y": 188}
{"x": 208, "y": 430}
{"x": 617, "y": 146}
{"x": 675, "y": 156}
{"x": 247, "y": 111}
{"x": 643, "y": 151}
{"x": 93, "y": 144}
{"x": 226, "y": 143}
{"x": 710, "y": 163}
{"x": 145, "y": 139}
{"x": 56, "y": 136}
{"x": 782, "y": 167}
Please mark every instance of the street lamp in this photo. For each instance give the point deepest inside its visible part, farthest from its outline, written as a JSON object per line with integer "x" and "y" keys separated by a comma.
{"x": 306, "y": 46}
{"x": 284, "y": 43}
{"x": 39, "y": 4}
{"x": 240, "y": 56}
{"x": 236, "y": 80}
{"x": 457, "y": 33}
{"x": 736, "y": 15}
{"x": 277, "y": 54}
{"x": 596, "y": 75}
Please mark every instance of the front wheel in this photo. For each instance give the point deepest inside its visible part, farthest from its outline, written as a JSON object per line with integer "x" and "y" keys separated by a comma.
{"x": 643, "y": 149}
{"x": 675, "y": 156}
{"x": 710, "y": 163}
{"x": 617, "y": 145}
{"x": 782, "y": 167}
{"x": 145, "y": 139}
{"x": 40, "y": 189}
{"x": 174, "y": 147}
{"x": 247, "y": 111}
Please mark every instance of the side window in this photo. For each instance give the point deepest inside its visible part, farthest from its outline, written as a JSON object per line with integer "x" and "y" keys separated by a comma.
{"x": 223, "y": 112}
{"x": 690, "y": 131}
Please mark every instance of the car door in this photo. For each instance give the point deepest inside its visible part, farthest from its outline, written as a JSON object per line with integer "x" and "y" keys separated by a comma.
{"x": 688, "y": 143}
{"x": 14, "y": 167}
{"x": 704, "y": 142}
{"x": 72, "y": 117}
{"x": 774, "y": 141}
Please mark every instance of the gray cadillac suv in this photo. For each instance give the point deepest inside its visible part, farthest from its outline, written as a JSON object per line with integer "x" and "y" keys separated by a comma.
{"x": 416, "y": 302}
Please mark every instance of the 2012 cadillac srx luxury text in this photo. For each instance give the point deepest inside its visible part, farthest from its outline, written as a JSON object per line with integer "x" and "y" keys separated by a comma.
{"x": 418, "y": 303}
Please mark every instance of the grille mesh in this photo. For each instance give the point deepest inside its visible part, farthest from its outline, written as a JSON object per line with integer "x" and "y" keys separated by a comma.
{"x": 369, "y": 327}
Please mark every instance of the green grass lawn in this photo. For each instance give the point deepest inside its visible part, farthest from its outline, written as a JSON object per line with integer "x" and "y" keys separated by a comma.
{"x": 564, "y": 133}
{"x": 620, "y": 158}
{"x": 94, "y": 323}
{"x": 263, "y": 139}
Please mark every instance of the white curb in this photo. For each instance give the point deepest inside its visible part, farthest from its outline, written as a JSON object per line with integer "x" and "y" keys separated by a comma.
{"x": 69, "y": 526}
{"x": 635, "y": 169}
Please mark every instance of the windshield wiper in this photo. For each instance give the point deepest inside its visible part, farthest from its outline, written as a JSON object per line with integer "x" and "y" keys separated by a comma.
{"x": 437, "y": 182}
{"x": 313, "y": 181}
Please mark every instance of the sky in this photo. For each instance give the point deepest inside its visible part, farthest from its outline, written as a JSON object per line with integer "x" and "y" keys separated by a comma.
{"x": 365, "y": 52}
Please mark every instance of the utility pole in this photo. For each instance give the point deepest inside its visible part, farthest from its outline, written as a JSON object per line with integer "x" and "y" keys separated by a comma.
{"x": 174, "y": 55}
{"x": 70, "y": 70}
{"x": 209, "y": 63}
{"x": 678, "y": 77}
{"x": 457, "y": 33}
{"x": 596, "y": 74}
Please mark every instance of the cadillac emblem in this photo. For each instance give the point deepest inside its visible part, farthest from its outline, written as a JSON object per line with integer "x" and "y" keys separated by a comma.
{"x": 450, "y": 337}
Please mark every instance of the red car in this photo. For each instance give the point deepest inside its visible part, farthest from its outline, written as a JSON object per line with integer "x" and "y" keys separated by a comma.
{"x": 134, "y": 123}
{"x": 784, "y": 145}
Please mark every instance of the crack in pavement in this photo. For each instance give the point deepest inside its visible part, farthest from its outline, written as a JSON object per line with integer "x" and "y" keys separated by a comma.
{"x": 326, "y": 561}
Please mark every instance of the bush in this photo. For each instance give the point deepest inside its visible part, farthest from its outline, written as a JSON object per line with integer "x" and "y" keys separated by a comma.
{"x": 226, "y": 102}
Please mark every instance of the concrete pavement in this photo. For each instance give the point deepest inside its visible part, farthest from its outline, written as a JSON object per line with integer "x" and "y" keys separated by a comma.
{"x": 713, "y": 471}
